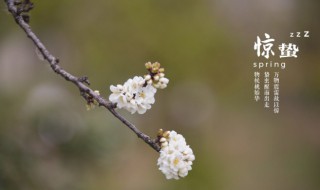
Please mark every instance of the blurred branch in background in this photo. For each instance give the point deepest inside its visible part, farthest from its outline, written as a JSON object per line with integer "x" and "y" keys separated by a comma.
{"x": 19, "y": 11}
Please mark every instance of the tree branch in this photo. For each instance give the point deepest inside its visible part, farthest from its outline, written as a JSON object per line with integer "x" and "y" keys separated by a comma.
{"x": 80, "y": 82}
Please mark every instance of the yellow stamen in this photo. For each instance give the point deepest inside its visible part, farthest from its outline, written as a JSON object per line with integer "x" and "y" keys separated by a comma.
{"x": 176, "y": 161}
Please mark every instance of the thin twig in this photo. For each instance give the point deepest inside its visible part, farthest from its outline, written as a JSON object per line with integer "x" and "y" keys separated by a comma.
{"x": 80, "y": 82}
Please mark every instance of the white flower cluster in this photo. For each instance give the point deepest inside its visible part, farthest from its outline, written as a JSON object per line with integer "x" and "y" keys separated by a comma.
{"x": 137, "y": 94}
{"x": 133, "y": 96}
{"x": 176, "y": 156}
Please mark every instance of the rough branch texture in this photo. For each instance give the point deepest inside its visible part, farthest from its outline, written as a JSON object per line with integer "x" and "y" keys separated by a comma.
{"x": 80, "y": 82}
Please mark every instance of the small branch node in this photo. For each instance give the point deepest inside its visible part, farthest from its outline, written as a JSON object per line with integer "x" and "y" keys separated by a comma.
{"x": 26, "y": 18}
{"x": 86, "y": 96}
{"x": 56, "y": 61}
{"x": 84, "y": 79}
{"x": 23, "y": 7}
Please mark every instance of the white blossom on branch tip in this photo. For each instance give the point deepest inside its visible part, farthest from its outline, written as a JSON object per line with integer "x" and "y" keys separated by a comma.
{"x": 176, "y": 156}
{"x": 137, "y": 94}
{"x": 133, "y": 95}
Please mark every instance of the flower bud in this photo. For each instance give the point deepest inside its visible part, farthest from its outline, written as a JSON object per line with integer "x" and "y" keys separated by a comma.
{"x": 160, "y": 132}
{"x": 164, "y": 80}
{"x": 162, "y": 140}
{"x": 161, "y": 70}
{"x": 147, "y": 77}
{"x": 162, "y": 86}
{"x": 148, "y": 65}
{"x": 156, "y": 78}
{"x": 164, "y": 144}
{"x": 156, "y": 85}
{"x": 161, "y": 75}
{"x": 166, "y": 134}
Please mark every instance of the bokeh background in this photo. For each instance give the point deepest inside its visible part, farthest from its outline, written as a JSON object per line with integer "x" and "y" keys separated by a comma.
{"x": 49, "y": 141}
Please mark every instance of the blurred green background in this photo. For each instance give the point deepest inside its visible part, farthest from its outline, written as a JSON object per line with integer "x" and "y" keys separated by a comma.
{"x": 49, "y": 141}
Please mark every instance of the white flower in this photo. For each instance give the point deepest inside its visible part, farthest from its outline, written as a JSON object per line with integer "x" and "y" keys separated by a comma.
{"x": 163, "y": 82}
{"x": 176, "y": 156}
{"x": 133, "y": 95}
